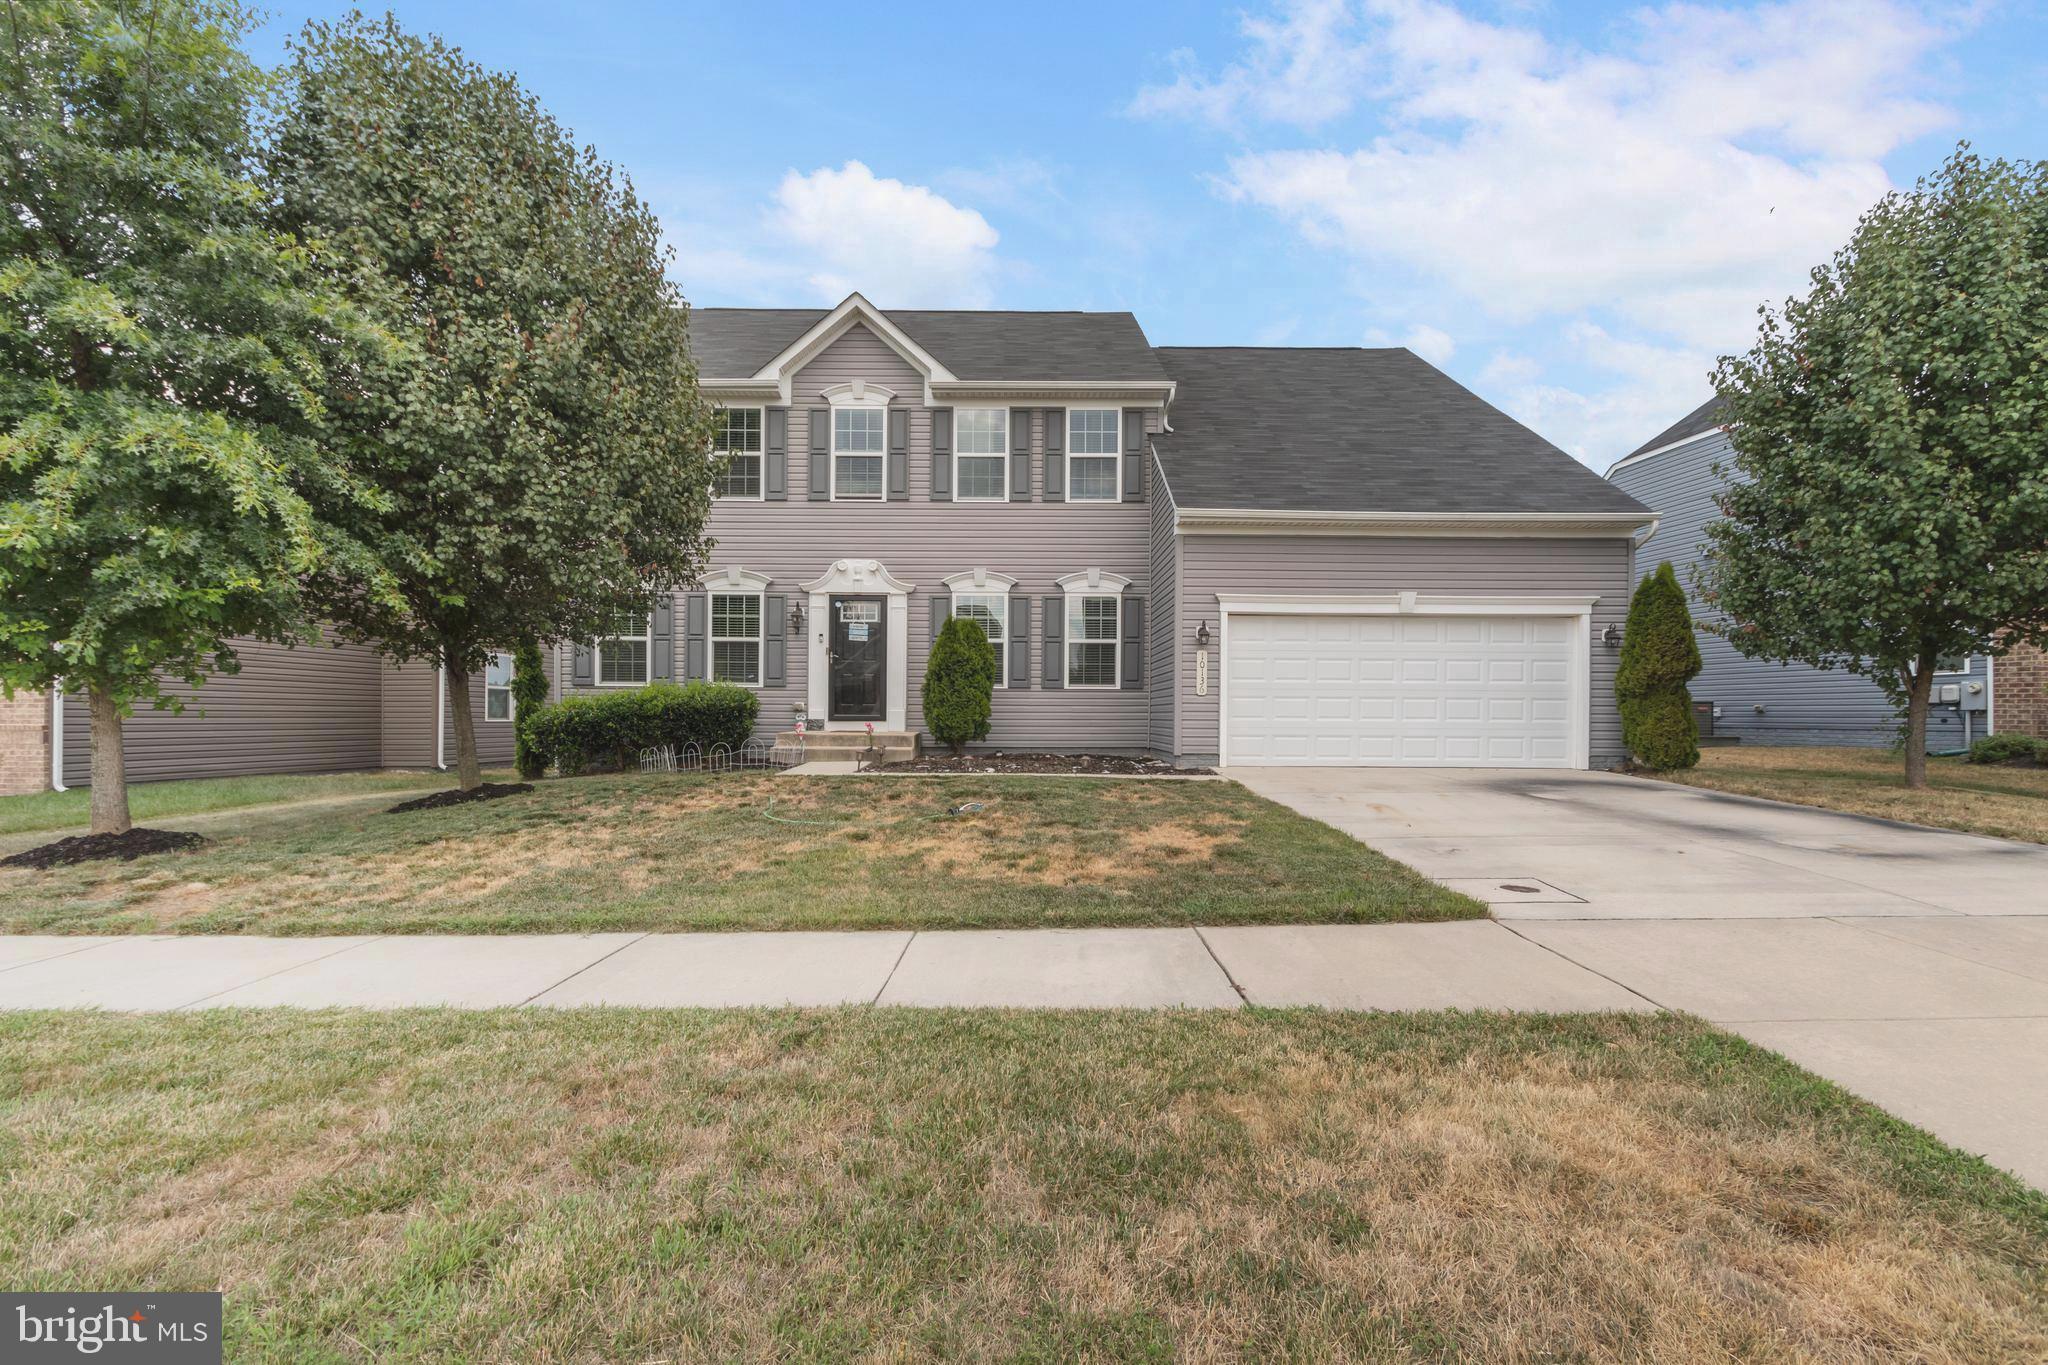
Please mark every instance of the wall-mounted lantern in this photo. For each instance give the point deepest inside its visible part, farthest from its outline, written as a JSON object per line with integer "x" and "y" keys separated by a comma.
{"x": 796, "y": 617}
{"x": 1611, "y": 637}
{"x": 1202, "y": 635}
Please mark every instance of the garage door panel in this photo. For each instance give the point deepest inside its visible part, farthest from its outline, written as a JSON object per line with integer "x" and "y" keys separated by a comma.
{"x": 1447, "y": 691}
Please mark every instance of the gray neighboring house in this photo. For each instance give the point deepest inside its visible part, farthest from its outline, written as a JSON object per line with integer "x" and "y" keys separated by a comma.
{"x": 1234, "y": 554}
{"x": 1754, "y": 699}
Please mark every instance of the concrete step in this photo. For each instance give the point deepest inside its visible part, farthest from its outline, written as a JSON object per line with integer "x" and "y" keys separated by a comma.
{"x": 835, "y": 743}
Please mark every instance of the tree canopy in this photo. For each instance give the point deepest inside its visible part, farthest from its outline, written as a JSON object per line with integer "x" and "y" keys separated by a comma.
{"x": 1888, "y": 501}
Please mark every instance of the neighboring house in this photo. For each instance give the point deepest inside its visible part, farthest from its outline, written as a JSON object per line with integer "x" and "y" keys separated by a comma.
{"x": 1299, "y": 556}
{"x": 1770, "y": 703}
{"x": 306, "y": 710}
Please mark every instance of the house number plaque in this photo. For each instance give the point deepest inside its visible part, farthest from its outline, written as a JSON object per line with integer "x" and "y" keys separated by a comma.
{"x": 1201, "y": 672}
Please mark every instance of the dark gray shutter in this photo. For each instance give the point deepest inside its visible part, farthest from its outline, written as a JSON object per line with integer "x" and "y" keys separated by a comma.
{"x": 1055, "y": 454}
{"x": 821, "y": 454}
{"x": 775, "y": 646}
{"x": 1134, "y": 454}
{"x": 1055, "y": 670}
{"x": 1020, "y": 454}
{"x": 942, "y": 454}
{"x": 1134, "y": 643}
{"x": 661, "y": 650}
{"x": 1020, "y": 640}
{"x": 942, "y": 608}
{"x": 898, "y": 485}
{"x": 775, "y": 456}
{"x": 696, "y": 631}
{"x": 582, "y": 668}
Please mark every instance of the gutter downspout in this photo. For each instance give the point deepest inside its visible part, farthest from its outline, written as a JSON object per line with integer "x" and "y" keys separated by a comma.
{"x": 57, "y": 738}
{"x": 1990, "y": 696}
{"x": 441, "y": 718}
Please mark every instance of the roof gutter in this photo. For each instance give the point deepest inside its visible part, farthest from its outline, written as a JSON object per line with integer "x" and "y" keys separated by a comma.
{"x": 1518, "y": 525}
{"x": 1678, "y": 444}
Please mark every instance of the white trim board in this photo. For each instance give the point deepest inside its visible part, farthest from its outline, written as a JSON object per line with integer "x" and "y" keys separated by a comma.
{"x": 1578, "y": 607}
{"x": 1507, "y": 525}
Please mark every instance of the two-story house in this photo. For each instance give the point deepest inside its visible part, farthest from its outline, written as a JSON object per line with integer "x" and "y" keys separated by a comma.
{"x": 1235, "y": 554}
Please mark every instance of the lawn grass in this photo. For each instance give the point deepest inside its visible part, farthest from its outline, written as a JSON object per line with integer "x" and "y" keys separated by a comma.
{"x": 147, "y": 801}
{"x": 749, "y": 851}
{"x": 2009, "y": 803}
{"x": 867, "y": 1184}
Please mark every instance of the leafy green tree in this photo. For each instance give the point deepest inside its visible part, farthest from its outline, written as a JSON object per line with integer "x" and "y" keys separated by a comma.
{"x": 161, "y": 355}
{"x": 960, "y": 683}
{"x": 1889, "y": 498}
{"x": 1659, "y": 656}
{"x": 529, "y": 694}
{"x": 540, "y": 445}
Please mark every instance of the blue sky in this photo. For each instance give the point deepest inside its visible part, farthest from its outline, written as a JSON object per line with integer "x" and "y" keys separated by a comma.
{"x": 1571, "y": 208}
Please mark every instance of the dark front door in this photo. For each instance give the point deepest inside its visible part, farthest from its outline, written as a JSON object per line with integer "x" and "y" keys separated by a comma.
{"x": 860, "y": 653}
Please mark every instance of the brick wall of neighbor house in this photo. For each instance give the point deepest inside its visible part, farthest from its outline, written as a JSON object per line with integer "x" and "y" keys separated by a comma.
{"x": 2022, "y": 696}
{"x": 923, "y": 542}
{"x": 1213, "y": 564}
{"x": 24, "y": 743}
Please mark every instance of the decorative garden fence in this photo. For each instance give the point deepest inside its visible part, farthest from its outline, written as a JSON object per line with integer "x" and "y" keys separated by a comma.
{"x": 755, "y": 754}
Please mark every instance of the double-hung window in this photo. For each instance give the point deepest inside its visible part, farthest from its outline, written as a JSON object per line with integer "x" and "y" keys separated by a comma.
{"x": 1094, "y": 455}
{"x": 859, "y": 437}
{"x": 981, "y": 462}
{"x": 737, "y": 438}
{"x": 736, "y": 638}
{"x": 991, "y": 611}
{"x": 1094, "y": 634}
{"x": 622, "y": 655}
{"x": 498, "y": 687}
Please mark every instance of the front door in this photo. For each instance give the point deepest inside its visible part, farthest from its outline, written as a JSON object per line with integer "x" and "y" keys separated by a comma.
{"x": 860, "y": 653}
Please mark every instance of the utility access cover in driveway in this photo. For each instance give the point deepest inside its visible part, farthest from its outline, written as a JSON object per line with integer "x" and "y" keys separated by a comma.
{"x": 1512, "y": 891}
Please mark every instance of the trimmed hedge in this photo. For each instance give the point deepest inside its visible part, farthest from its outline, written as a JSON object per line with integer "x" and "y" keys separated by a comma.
{"x": 959, "y": 684}
{"x": 583, "y": 732}
{"x": 529, "y": 694}
{"x": 2008, "y": 748}
{"x": 1658, "y": 657}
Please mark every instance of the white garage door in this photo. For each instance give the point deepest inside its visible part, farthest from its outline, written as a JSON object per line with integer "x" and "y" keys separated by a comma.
{"x": 1425, "y": 691}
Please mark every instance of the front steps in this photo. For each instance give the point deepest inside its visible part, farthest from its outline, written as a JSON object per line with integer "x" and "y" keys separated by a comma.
{"x": 845, "y": 746}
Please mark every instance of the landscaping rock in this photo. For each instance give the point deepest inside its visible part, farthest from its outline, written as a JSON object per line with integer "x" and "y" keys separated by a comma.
{"x": 85, "y": 848}
{"x": 1068, "y": 764}
{"x": 455, "y": 796}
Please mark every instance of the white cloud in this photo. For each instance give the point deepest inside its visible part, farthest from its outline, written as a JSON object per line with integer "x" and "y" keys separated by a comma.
{"x": 1300, "y": 69}
{"x": 1433, "y": 344}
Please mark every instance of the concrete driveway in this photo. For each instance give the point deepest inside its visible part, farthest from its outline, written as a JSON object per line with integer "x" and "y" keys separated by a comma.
{"x": 1909, "y": 965}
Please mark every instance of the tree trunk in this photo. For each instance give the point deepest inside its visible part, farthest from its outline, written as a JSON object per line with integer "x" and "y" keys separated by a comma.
{"x": 109, "y": 769}
{"x": 1916, "y": 722}
{"x": 959, "y": 749}
{"x": 469, "y": 774}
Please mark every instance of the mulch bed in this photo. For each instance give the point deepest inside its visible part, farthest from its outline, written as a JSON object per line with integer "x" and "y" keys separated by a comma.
{"x": 455, "y": 796}
{"x": 1067, "y": 764}
{"x": 85, "y": 848}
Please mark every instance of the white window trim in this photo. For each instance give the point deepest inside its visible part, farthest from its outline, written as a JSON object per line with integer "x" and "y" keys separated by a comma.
{"x": 982, "y": 583}
{"x": 959, "y": 455}
{"x": 646, "y": 637}
{"x": 712, "y": 639}
{"x": 761, "y": 483}
{"x": 1091, "y": 583}
{"x": 1578, "y": 608}
{"x": 858, "y": 394}
{"x": 1066, "y": 416}
{"x": 511, "y": 697}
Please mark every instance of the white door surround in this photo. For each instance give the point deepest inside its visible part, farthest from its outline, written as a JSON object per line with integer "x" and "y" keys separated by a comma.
{"x": 864, "y": 578}
{"x": 1573, "y": 611}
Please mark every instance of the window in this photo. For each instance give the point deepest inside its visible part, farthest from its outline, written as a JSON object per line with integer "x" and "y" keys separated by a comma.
{"x": 736, "y": 638}
{"x": 1952, "y": 663}
{"x": 992, "y": 612}
{"x": 1094, "y": 631}
{"x": 498, "y": 687}
{"x": 737, "y": 437}
{"x": 622, "y": 655}
{"x": 858, "y": 435}
{"x": 1094, "y": 455}
{"x": 981, "y": 462}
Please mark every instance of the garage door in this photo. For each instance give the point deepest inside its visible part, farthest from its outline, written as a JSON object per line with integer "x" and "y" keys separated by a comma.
{"x": 1426, "y": 691}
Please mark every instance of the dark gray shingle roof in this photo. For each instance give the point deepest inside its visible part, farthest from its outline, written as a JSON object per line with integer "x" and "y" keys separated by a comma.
{"x": 1704, "y": 418}
{"x": 1351, "y": 430}
{"x": 732, "y": 343}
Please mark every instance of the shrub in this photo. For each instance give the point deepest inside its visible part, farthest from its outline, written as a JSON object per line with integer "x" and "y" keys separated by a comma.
{"x": 529, "y": 694}
{"x": 959, "y": 683}
{"x": 583, "y": 732}
{"x": 2008, "y": 748}
{"x": 1659, "y": 655}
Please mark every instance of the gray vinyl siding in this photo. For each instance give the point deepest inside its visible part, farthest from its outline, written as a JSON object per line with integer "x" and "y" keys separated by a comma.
{"x": 1213, "y": 564}
{"x": 922, "y": 543}
{"x": 410, "y": 691}
{"x": 1801, "y": 705}
{"x": 1165, "y": 569}
{"x": 313, "y": 709}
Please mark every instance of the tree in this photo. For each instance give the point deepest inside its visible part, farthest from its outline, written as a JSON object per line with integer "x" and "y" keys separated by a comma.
{"x": 960, "y": 683}
{"x": 161, "y": 352}
{"x": 1888, "y": 503}
{"x": 1658, "y": 657}
{"x": 529, "y": 694}
{"x": 540, "y": 444}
